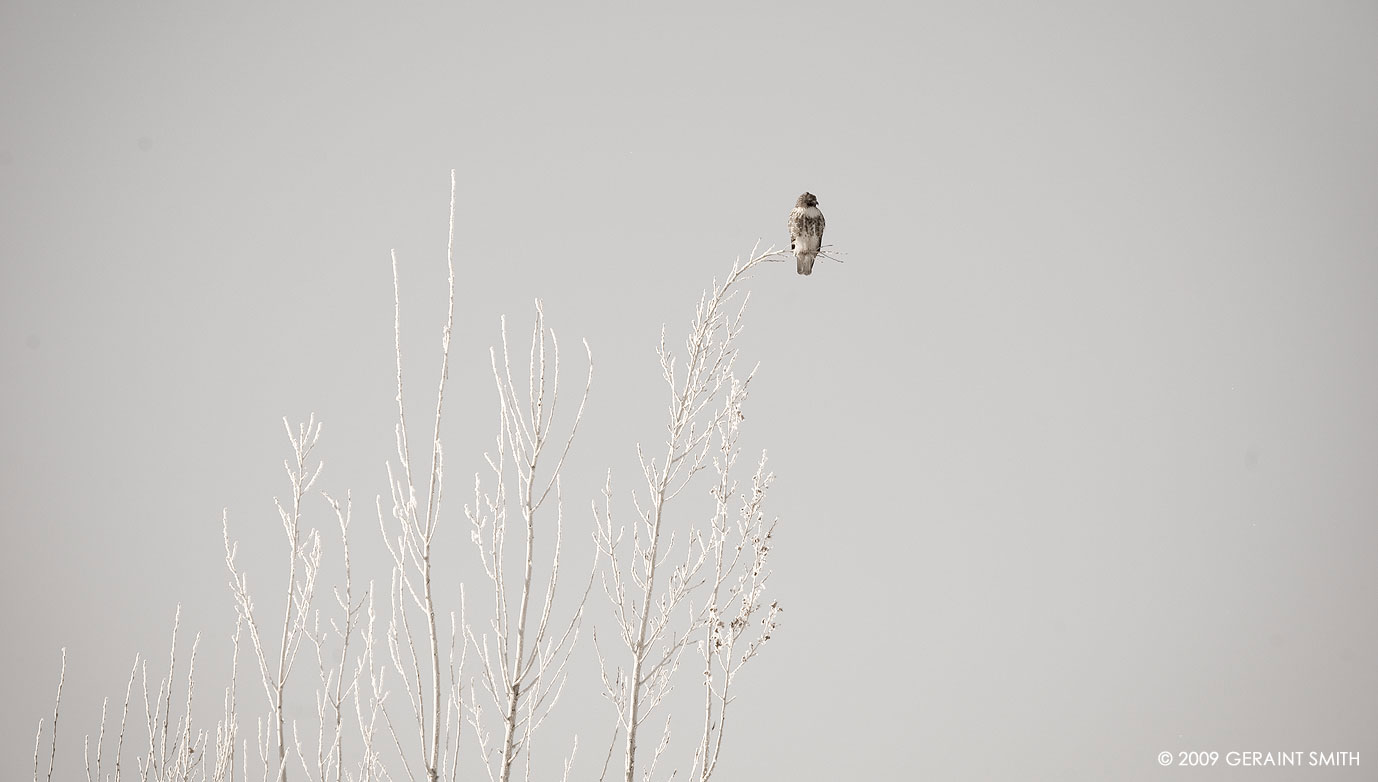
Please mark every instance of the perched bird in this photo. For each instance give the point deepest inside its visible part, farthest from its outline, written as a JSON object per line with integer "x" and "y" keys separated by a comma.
{"x": 806, "y": 231}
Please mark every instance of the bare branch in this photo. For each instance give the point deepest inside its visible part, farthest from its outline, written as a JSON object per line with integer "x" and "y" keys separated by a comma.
{"x": 522, "y": 663}
{"x": 704, "y": 394}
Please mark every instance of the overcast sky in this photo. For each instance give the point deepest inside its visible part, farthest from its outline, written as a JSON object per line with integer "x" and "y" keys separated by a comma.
{"x": 1076, "y": 451}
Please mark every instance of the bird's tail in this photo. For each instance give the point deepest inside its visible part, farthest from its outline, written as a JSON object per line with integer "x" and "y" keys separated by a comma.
{"x": 806, "y": 260}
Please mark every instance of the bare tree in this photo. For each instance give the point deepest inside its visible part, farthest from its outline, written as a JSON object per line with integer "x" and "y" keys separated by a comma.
{"x": 738, "y": 543}
{"x": 522, "y": 664}
{"x": 651, "y": 586}
{"x": 338, "y": 676}
{"x": 707, "y": 593}
{"x": 175, "y": 750}
{"x": 52, "y": 740}
{"x": 423, "y": 678}
{"x": 275, "y": 663}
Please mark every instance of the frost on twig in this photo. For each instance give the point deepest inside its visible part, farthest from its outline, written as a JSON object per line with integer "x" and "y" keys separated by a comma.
{"x": 52, "y": 740}
{"x": 276, "y": 660}
{"x": 651, "y": 585}
{"x": 738, "y": 624}
{"x": 431, "y": 691}
{"x": 174, "y": 748}
{"x": 338, "y": 676}
{"x": 522, "y": 658}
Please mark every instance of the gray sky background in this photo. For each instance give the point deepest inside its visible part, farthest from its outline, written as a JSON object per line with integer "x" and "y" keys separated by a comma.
{"x": 1076, "y": 451}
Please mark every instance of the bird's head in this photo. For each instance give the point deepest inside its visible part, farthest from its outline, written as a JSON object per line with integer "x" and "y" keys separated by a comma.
{"x": 807, "y": 199}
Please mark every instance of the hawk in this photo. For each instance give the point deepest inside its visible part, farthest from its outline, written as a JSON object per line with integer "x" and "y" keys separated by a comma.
{"x": 806, "y": 231}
